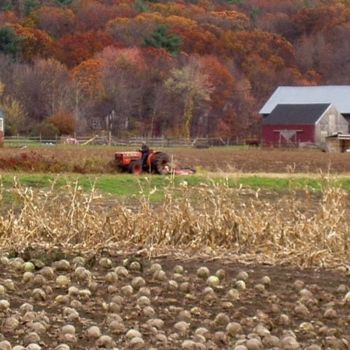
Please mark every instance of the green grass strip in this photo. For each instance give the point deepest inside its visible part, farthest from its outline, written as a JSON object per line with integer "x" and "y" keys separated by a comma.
{"x": 126, "y": 185}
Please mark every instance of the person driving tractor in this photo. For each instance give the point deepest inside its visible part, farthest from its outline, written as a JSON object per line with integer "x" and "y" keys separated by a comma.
{"x": 145, "y": 150}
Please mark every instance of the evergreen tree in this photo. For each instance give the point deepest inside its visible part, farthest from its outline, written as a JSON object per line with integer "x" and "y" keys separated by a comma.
{"x": 9, "y": 41}
{"x": 161, "y": 38}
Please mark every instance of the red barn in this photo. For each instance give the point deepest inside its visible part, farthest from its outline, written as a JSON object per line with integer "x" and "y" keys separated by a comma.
{"x": 294, "y": 124}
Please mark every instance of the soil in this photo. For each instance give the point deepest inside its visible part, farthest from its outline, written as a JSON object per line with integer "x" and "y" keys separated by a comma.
{"x": 100, "y": 160}
{"x": 326, "y": 290}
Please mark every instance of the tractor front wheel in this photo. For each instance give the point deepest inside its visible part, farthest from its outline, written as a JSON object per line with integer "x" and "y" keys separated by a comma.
{"x": 135, "y": 167}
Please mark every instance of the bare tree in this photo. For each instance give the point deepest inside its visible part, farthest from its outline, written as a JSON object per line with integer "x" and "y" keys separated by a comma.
{"x": 193, "y": 85}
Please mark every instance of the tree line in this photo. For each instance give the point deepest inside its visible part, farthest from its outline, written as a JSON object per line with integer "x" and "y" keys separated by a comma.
{"x": 162, "y": 68}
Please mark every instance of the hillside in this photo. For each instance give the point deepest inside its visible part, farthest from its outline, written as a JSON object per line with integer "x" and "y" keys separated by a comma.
{"x": 173, "y": 68}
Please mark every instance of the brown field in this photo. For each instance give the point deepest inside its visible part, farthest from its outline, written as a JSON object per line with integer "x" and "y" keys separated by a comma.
{"x": 99, "y": 159}
{"x": 69, "y": 262}
{"x": 288, "y": 309}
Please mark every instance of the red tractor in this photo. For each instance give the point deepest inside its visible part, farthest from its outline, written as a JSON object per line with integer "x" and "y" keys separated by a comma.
{"x": 136, "y": 163}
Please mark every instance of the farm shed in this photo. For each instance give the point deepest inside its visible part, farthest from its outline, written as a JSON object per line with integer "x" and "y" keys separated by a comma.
{"x": 338, "y": 143}
{"x": 337, "y": 95}
{"x": 296, "y": 124}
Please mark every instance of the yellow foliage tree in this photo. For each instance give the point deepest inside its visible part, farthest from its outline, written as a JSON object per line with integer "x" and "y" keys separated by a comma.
{"x": 13, "y": 111}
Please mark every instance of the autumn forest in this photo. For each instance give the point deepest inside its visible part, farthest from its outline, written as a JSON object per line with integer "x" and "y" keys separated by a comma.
{"x": 162, "y": 68}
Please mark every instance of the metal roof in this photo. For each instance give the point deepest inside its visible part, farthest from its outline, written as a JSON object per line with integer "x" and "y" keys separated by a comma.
{"x": 338, "y": 95}
{"x": 307, "y": 114}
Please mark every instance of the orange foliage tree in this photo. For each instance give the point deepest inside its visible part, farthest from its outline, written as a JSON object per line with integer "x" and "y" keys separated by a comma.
{"x": 56, "y": 21}
{"x": 35, "y": 43}
{"x": 78, "y": 47}
{"x": 88, "y": 78}
{"x": 64, "y": 122}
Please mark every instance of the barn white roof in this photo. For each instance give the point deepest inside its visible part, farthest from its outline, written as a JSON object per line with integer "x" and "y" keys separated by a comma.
{"x": 338, "y": 95}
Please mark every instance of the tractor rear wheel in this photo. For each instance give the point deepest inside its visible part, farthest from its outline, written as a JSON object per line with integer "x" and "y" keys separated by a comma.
{"x": 135, "y": 167}
{"x": 161, "y": 163}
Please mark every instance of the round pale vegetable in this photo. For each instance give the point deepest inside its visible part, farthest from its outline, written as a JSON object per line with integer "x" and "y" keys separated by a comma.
{"x": 135, "y": 266}
{"x": 93, "y": 332}
{"x": 61, "y": 265}
{"x": 62, "y": 281}
{"x": 62, "y": 347}
{"x": 117, "y": 327}
{"x": 254, "y": 344}
{"x": 240, "y": 284}
{"x": 138, "y": 282}
{"x": 73, "y": 291}
{"x": 182, "y": 327}
{"x": 111, "y": 277}
{"x": 4, "y": 260}
{"x": 213, "y": 281}
{"x": 2, "y": 289}
{"x": 4, "y": 305}
{"x": 155, "y": 267}
{"x": 26, "y": 307}
{"x": 9, "y": 284}
{"x": 160, "y": 275}
{"x": 105, "y": 263}
{"x": 10, "y": 324}
{"x": 233, "y": 294}
{"x": 31, "y": 338}
{"x": 221, "y": 319}
{"x": 78, "y": 261}
{"x": 155, "y": 322}
{"x": 266, "y": 280}
{"x": 242, "y": 275}
{"x": 233, "y": 328}
{"x": 105, "y": 341}
{"x": 70, "y": 329}
{"x": 185, "y": 287}
{"x": 39, "y": 281}
{"x": 5, "y": 345}
{"x": 48, "y": 272}
{"x": 188, "y": 345}
{"x": 127, "y": 290}
{"x": 220, "y": 274}
{"x": 132, "y": 333}
{"x": 203, "y": 272}
{"x": 137, "y": 343}
{"x": 148, "y": 311}
{"x": 179, "y": 269}
{"x": 121, "y": 271}
{"x": 33, "y": 346}
{"x": 28, "y": 266}
{"x": 143, "y": 301}
{"x": 38, "y": 294}
{"x": 184, "y": 315}
{"x": 173, "y": 285}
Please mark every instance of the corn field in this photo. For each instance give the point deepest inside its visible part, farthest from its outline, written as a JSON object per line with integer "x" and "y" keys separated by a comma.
{"x": 302, "y": 228}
